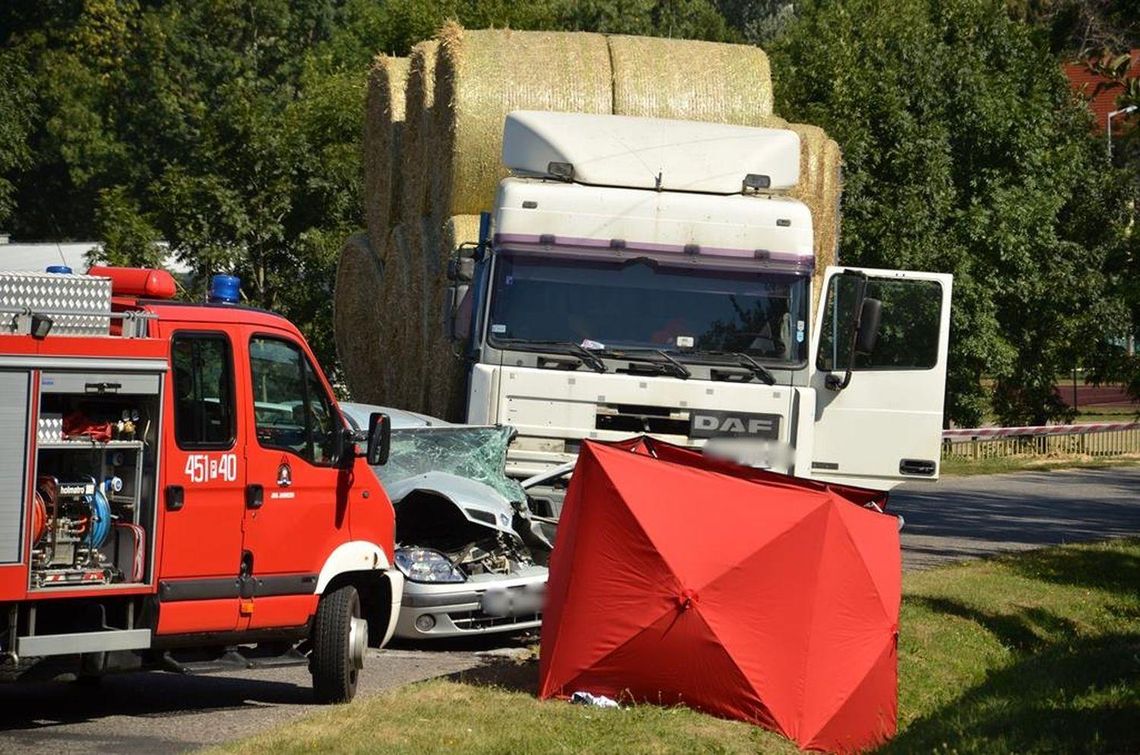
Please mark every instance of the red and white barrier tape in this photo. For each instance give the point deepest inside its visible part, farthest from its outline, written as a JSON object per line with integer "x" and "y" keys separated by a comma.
{"x": 1005, "y": 432}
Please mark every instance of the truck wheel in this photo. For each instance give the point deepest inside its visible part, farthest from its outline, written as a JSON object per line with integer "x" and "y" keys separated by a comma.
{"x": 340, "y": 638}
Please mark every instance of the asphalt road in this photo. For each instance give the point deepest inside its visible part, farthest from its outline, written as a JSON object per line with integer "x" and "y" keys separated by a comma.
{"x": 967, "y": 517}
{"x": 954, "y": 519}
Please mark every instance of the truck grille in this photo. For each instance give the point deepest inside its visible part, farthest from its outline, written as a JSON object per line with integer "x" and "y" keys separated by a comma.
{"x": 634, "y": 418}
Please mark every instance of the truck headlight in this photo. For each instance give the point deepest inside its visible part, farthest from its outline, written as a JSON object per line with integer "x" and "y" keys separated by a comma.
{"x": 427, "y": 565}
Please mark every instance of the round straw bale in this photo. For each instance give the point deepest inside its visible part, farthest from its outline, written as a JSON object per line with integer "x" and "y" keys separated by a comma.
{"x": 435, "y": 288}
{"x": 446, "y": 365}
{"x": 388, "y": 334}
{"x": 690, "y": 80}
{"x": 481, "y": 76}
{"x": 401, "y": 310}
{"x": 383, "y": 129}
{"x": 420, "y": 93}
{"x": 356, "y": 329}
{"x": 830, "y": 217}
{"x": 820, "y": 187}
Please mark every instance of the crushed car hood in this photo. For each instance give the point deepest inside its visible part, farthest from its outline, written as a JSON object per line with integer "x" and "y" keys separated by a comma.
{"x": 473, "y": 452}
{"x": 477, "y": 502}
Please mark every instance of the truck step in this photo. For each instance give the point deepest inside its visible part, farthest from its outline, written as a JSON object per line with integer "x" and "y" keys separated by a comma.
{"x": 233, "y": 659}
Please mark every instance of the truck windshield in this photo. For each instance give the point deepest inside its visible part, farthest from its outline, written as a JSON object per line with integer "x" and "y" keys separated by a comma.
{"x": 646, "y": 304}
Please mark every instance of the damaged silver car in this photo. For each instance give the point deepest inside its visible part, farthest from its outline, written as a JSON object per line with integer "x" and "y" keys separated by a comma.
{"x": 473, "y": 552}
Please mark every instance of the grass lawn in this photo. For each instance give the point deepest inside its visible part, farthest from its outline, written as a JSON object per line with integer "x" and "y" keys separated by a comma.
{"x": 967, "y": 467}
{"x": 1036, "y": 652}
{"x": 1106, "y": 414}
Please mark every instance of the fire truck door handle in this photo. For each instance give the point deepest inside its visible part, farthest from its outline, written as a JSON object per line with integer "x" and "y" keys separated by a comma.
{"x": 175, "y": 497}
{"x": 254, "y": 496}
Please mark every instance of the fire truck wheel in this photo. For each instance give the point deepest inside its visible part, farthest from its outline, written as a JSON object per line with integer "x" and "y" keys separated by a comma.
{"x": 339, "y": 640}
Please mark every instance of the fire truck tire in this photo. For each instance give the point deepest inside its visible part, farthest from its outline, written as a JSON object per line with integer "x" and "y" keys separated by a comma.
{"x": 339, "y": 639}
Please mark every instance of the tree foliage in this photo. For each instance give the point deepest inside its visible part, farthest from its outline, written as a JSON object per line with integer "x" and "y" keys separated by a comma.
{"x": 965, "y": 153}
{"x": 230, "y": 129}
{"x": 16, "y": 118}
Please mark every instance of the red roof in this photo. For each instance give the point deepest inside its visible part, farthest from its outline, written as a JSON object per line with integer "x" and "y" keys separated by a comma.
{"x": 1085, "y": 82}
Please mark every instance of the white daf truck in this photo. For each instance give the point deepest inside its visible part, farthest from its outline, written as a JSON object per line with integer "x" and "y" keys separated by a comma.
{"x": 651, "y": 276}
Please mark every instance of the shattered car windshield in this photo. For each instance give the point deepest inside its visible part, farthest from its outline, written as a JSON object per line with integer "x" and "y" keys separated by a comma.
{"x": 476, "y": 453}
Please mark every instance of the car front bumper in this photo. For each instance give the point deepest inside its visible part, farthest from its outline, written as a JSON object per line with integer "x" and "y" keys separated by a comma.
{"x": 484, "y": 604}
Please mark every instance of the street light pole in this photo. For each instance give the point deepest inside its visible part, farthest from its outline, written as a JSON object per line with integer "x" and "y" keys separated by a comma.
{"x": 1108, "y": 124}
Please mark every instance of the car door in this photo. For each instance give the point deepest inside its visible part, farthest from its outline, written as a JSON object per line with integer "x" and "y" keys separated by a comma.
{"x": 296, "y": 510}
{"x": 885, "y": 425}
{"x": 204, "y": 493}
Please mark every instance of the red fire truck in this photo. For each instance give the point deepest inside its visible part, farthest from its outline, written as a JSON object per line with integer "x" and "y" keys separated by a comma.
{"x": 179, "y": 490}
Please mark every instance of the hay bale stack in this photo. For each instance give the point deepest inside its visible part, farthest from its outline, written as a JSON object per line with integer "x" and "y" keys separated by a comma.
{"x": 400, "y": 312}
{"x": 690, "y": 80}
{"x": 435, "y": 290}
{"x": 444, "y": 358}
{"x": 383, "y": 153}
{"x": 820, "y": 188}
{"x": 433, "y": 141}
{"x": 481, "y": 76}
{"x": 418, "y": 120}
{"x": 356, "y": 329}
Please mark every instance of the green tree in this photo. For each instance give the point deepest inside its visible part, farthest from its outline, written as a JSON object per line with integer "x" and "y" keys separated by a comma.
{"x": 685, "y": 19}
{"x": 16, "y": 118}
{"x": 965, "y": 153}
{"x": 1116, "y": 360}
{"x": 760, "y": 22}
{"x": 1079, "y": 27}
{"x": 231, "y": 130}
{"x": 127, "y": 232}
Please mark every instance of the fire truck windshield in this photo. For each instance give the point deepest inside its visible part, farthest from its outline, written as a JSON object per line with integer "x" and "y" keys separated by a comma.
{"x": 641, "y": 303}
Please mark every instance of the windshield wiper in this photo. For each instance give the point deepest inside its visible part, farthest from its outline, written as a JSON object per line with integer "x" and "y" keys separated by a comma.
{"x": 754, "y": 367}
{"x": 589, "y": 358}
{"x": 670, "y": 364}
{"x": 745, "y": 361}
{"x": 758, "y": 369}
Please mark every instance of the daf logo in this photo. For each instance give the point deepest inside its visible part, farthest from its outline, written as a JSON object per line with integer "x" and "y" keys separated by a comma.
{"x": 711, "y": 424}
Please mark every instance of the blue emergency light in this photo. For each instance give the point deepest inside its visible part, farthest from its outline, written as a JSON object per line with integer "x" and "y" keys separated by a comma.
{"x": 225, "y": 289}
{"x": 60, "y": 269}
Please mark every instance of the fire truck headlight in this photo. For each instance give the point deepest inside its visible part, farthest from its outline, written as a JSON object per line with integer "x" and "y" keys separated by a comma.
{"x": 427, "y": 565}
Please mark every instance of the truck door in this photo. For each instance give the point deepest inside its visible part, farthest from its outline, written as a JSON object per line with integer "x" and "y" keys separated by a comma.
{"x": 296, "y": 511}
{"x": 203, "y": 499}
{"x": 885, "y": 425}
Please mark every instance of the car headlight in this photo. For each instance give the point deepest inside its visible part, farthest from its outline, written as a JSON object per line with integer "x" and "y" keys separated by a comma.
{"x": 427, "y": 565}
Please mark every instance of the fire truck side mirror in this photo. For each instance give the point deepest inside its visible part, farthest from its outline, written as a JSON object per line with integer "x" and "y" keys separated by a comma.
{"x": 379, "y": 438}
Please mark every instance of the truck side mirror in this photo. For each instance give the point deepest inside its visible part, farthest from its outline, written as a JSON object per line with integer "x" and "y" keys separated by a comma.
{"x": 459, "y": 312}
{"x": 862, "y": 333}
{"x": 379, "y": 438}
{"x": 869, "y": 319}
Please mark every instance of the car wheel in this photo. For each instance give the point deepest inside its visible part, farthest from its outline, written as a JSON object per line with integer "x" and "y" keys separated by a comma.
{"x": 340, "y": 638}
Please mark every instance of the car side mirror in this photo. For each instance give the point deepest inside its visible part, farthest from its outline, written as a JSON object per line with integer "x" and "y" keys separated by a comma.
{"x": 379, "y": 438}
{"x": 869, "y": 319}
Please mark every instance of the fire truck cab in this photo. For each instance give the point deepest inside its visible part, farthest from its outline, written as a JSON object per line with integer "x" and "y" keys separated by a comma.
{"x": 179, "y": 490}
